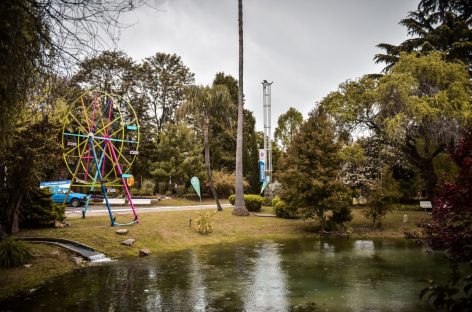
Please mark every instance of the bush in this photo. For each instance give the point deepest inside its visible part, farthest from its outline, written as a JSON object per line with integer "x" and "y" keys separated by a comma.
{"x": 147, "y": 188}
{"x": 134, "y": 191}
{"x": 231, "y": 199}
{"x": 191, "y": 196}
{"x": 13, "y": 253}
{"x": 204, "y": 222}
{"x": 253, "y": 202}
{"x": 180, "y": 190}
{"x": 267, "y": 201}
{"x": 224, "y": 183}
{"x": 40, "y": 210}
{"x": 282, "y": 210}
{"x": 340, "y": 219}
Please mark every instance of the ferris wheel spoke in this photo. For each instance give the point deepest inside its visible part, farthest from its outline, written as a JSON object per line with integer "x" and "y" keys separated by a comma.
{"x": 120, "y": 154}
{"x": 79, "y": 123}
{"x": 107, "y": 126}
{"x": 85, "y": 113}
{"x": 75, "y": 147}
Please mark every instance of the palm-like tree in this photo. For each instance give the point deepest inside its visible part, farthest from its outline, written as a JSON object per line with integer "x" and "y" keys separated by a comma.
{"x": 203, "y": 104}
{"x": 239, "y": 205}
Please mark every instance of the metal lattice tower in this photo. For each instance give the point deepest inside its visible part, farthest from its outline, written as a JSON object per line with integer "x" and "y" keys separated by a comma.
{"x": 266, "y": 86}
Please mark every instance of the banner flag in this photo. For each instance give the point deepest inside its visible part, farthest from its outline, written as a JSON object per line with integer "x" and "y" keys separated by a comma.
{"x": 196, "y": 185}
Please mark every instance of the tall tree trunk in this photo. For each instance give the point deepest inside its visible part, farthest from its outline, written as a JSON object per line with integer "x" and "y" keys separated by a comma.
{"x": 207, "y": 165}
{"x": 429, "y": 176}
{"x": 15, "y": 215}
{"x": 239, "y": 204}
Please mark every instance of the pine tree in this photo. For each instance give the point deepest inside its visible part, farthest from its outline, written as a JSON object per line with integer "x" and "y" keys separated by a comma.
{"x": 309, "y": 173}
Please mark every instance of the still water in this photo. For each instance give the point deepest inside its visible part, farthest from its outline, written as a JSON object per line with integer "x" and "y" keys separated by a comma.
{"x": 335, "y": 275}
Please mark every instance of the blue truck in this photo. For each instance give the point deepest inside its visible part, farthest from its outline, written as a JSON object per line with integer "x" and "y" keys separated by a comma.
{"x": 59, "y": 190}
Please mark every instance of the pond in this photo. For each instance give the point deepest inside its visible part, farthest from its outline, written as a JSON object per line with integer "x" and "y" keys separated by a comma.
{"x": 335, "y": 275}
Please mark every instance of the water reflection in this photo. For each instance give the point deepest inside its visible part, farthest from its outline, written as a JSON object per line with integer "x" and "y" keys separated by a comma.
{"x": 337, "y": 275}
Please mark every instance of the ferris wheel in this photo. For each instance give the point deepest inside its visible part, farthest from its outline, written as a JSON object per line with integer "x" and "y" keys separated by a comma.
{"x": 100, "y": 140}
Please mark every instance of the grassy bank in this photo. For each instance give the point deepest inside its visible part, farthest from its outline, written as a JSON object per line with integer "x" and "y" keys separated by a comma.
{"x": 170, "y": 231}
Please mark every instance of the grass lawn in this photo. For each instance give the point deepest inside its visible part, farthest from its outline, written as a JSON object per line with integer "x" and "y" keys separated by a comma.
{"x": 170, "y": 231}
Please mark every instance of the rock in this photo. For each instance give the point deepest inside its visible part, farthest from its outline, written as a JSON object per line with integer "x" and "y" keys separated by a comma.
{"x": 58, "y": 224}
{"x": 27, "y": 265}
{"x": 122, "y": 231}
{"x": 129, "y": 242}
{"x": 78, "y": 260}
{"x": 144, "y": 252}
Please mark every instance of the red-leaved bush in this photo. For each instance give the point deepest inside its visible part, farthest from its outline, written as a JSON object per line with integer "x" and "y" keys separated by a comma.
{"x": 451, "y": 226}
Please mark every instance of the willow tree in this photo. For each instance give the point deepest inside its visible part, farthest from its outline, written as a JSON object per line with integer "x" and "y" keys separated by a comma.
{"x": 239, "y": 204}
{"x": 418, "y": 108}
{"x": 203, "y": 104}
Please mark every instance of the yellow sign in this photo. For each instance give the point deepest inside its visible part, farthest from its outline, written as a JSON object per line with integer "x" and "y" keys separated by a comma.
{"x": 130, "y": 181}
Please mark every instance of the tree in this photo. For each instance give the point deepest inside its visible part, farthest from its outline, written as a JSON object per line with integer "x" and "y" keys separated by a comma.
{"x": 111, "y": 71}
{"x": 203, "y": 104}
{"x": 450, "y": 229}
{"x": 382, "y": 194}
{"x": 116, "y": 73}
{"x": 239, "y": 205}
{"x": 288, "y": 125}
{"x": 436, "y": 25}
{"x": 309, "y": 173}
{"x": 37, "y": 36}
{"x": 418, "y": 107}
{"x": 165, "y": 81}
{"x": 178, "y": 154}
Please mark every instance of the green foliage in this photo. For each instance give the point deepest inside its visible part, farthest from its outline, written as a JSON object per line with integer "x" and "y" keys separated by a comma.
{"x": 253, "y": 202}
{"x": 456, "y": 296}
{"x": 13, "y": 253}
{"x": 166, "y": 80}
{"x": 383, "y": 195}
{"x": 435, "y": 25}
{"x": 178, "y": 154}
{"x": 231, "y": 199}
{"x": 418, "y": 107}
{"x": 288, "y": 125}
{"x": 40, "y": 210}
{"x": 204, "y": 222}
{"x": 282, "y": 210}
{"x": 445, "y": 168}
{"x": 309, "y": 173}
{"x": 340, "y": 218}
{"x": 224, "y": 182}
{"x": 267, "y": 201}
{"x": 147, "y": 188}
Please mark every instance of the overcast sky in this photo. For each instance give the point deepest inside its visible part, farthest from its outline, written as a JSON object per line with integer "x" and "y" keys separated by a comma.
{"x": 306, "y": 47}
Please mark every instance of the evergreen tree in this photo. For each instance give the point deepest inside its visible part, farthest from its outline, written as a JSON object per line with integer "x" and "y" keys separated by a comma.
{"x": 437, "y": 25}
{"x": 309, "y": 173}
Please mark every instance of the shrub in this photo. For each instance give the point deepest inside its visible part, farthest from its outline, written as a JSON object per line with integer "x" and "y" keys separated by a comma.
{"x": 191, "y": 196}
{"x": 253, "y": 202}
{"x": 147, "y": 188}
{"x": 224, "y": 182}
{"x": 180, "y": 190}
{"x": 40, "y": 210}
{"x": 267, "y": 201}
{"x": 340, "y": 219}
{"x": 13, "y": 253}
{"x": 282, "y": 210}
{"x": 382, "y": 196}
{"x": 231, "y": 199}
{"x": 204, "y": 222}
{"x": 134, "y": 191}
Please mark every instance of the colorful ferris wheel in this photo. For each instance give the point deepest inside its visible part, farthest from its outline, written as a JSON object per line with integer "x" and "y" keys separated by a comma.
{"x": 100, "y": 139}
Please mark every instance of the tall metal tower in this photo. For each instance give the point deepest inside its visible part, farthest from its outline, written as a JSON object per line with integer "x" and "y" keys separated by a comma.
{"x": 266, "y": 86}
